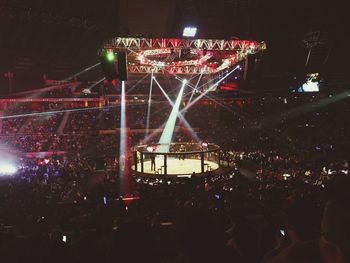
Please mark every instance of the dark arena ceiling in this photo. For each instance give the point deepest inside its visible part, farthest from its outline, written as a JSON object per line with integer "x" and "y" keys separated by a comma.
{"x": 56, "y": 38}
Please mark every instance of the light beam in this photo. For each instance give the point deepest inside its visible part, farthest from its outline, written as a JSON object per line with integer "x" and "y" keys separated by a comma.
{"x": 181, "y": 117}
{"x": 195, "y": 87}
{"x": 124, "y": 186}
{"x": 208, "y": 90}
{"x": 168, "y": 131}
{"x": 149, "y": 106}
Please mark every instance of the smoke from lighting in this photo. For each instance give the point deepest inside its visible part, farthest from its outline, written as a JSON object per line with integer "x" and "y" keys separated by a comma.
{"x": 8, "y": 164}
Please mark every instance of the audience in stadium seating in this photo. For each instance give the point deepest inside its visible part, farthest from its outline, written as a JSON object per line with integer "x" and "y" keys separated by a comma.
{"x": 281, "y": 197}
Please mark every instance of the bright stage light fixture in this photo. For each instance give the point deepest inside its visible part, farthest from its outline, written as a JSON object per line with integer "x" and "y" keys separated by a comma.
{"x": 189, "y": 32}
{"x": 7, "y": 169}
{"x": 110, "y": 56}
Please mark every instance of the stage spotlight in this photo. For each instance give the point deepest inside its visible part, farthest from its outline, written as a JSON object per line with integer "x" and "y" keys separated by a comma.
{"x": 86, "y": 91}
{"x": 7, "y": 169}
{"x": 110, "y": 56}
{"x": 189, "y": 32}
{"x": 109, "y": 66}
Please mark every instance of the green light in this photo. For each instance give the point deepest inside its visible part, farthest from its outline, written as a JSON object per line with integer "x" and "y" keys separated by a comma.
{"x": 110, "y": 56}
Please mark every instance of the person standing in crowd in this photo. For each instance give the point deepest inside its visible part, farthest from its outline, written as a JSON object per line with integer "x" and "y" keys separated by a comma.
{"x": 153, "y": 162}
{"x": 334, "y": 244}
{"x": 182, "y": 150}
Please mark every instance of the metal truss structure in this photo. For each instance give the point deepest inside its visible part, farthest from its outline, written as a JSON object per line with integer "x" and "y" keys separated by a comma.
{"x": 181, "y": 56}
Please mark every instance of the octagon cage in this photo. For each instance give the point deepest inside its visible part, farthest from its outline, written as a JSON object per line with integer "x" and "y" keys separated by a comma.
{"x": 182, "y": 159}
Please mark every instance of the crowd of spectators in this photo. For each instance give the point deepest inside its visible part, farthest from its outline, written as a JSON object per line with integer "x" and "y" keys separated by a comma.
{"x": 223, "y": 218}
{"x": 43, "y": 124}
{"x": 82, "y": 121}
{"x": 280, "y": 198}
{"x": 12, "y": 125}
{"x": 26, "y": 143}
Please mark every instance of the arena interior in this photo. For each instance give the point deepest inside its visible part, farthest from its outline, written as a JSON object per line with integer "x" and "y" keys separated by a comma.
{"x": 174, "y": 131}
